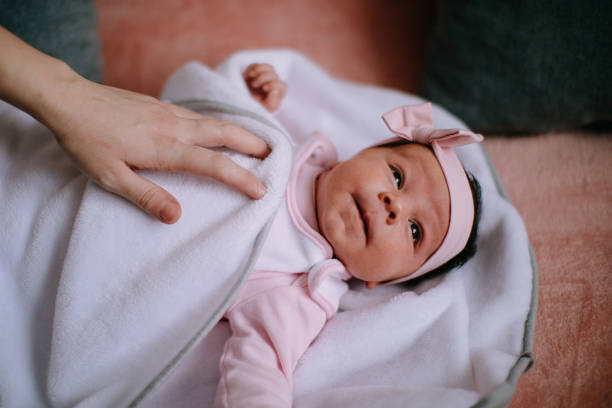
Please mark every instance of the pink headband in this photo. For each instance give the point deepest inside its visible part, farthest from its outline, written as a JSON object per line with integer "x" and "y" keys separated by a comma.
{"x": 415, "y": 123}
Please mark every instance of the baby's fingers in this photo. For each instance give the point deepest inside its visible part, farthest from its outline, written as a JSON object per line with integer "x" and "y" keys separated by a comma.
{"x": 263, "y": 78}
{"x": 277, "y": 87}
{"x": 254, "y": 70}
{"x": 274, "y": 96}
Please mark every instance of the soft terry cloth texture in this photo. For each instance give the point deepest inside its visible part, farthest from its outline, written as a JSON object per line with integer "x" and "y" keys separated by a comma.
{"x": 96, "y": 296}
{"x": 522, "y": 66}
{"x": 439, "y": 345}
{"x": 101, "y": 301}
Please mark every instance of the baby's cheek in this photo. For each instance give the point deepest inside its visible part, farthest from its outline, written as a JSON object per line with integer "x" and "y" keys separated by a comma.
{"x": 365, "y": 266}
{"x": 396, "y": 262}
{"x": 332, "y": 231}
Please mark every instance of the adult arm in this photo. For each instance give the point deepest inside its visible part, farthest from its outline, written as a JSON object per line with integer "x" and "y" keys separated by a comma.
{"x": 110, "y": 132}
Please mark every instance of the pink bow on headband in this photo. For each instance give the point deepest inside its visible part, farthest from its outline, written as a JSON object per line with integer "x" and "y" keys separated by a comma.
{"x": 415, "y": 123}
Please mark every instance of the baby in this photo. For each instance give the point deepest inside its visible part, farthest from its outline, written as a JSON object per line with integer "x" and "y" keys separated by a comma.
{"x": 393, "y": 212}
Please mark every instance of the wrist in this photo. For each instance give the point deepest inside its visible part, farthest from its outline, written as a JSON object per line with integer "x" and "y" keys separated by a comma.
{"x": 53, "y": 94}
{"x": 31, "y": 80}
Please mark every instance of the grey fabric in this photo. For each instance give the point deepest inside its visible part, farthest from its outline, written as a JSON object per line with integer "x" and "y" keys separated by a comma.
{"x": 522, "y": 66}
{"x": 65, "y": 29}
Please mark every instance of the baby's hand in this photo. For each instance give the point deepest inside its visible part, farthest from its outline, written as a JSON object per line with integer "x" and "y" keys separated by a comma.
{"x": 265, "y": 85}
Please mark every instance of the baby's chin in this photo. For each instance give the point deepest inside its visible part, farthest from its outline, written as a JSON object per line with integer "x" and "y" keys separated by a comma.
{"x": 353, "y": 269}
{"x": 378, "y": 274}
{"x": 357, "y": 271}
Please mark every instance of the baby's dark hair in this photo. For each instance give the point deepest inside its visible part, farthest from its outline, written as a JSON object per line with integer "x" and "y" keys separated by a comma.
{"x": 470, "y": 247}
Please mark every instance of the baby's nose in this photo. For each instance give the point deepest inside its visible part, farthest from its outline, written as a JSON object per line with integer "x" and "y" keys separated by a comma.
{"x": 393, "y": 207}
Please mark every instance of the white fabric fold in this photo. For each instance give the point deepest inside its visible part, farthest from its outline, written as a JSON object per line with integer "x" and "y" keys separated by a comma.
{"x": 101, "y": 297}
{"x": 100, "y": 303}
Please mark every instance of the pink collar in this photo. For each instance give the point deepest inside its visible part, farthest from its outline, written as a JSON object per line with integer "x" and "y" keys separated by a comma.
{"x": 415, "y": 123}
{"x": 311, "y": 159}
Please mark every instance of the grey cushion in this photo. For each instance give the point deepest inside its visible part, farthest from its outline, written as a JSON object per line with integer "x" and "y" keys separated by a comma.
{"x": 65, "y": 29}
{"x": 522, "y": 66}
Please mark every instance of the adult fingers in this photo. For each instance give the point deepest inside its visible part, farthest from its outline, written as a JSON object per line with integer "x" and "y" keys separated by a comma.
{"x": 207, "y": 162}
{"x": 207, "y": 131}
{"x": 142, "y": 192}
{"x": 211, "y": 132}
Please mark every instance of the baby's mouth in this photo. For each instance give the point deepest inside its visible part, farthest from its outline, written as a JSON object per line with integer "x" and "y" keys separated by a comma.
{"x": 363, "y": 218}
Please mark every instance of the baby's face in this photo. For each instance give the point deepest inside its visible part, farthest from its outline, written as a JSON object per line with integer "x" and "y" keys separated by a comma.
{"x": 384, "y": 211}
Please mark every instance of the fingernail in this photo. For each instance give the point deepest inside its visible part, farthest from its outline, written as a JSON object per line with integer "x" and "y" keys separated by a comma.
{"x": 261, "y": 190}
{"x": 168, "y": 212}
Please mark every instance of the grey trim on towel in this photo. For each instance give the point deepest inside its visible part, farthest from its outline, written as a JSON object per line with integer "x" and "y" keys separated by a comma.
{"x": 212, "y": 106}
{"x": 503, "y": 393}
{"x": 208, "y": 324}
{"x": 498, "y": 397}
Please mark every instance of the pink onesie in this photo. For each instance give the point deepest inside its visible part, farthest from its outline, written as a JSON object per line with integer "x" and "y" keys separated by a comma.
{"x": 294, "y": 288}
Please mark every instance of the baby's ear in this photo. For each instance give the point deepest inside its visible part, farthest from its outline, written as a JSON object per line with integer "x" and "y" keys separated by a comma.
{"x": 371, "y": 285}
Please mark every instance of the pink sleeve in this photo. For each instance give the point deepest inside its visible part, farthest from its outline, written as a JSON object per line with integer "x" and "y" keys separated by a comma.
{"x": 273, "y": 322}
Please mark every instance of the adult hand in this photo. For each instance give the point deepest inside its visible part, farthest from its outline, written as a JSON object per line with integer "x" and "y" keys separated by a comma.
{"x": 110, "y": 132}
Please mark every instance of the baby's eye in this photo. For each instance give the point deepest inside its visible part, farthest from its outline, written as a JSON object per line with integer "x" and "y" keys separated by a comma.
{"x": 415, "y": 230}
{"x": 398, "y": 176}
